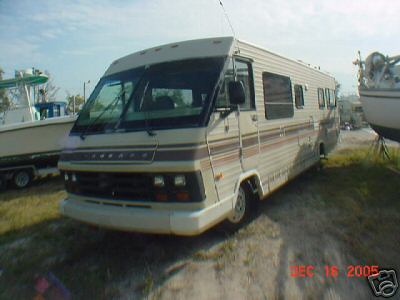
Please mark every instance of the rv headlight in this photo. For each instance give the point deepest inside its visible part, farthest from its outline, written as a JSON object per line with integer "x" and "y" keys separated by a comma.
{"x": 66, "y": 177}
{"x": 73, "y": 177}
{"x": 159, "y": 181}
{"x": 180, "y": 180}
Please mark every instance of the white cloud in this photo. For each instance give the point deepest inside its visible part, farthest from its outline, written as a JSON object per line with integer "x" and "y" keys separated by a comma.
{"x": 51, "y": 33}
{"x": 326, "y": 33}
{"x": 19, "y": 51}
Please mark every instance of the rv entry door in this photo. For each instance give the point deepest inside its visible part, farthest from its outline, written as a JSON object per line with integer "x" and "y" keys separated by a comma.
{"x": 232, "y": 133}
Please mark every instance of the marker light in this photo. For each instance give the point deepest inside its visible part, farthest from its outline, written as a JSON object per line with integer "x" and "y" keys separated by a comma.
{"x": 182, "y": 196}
{"x": 158, "y": 181}
{"x": 180, "y": 180}
{"x": 161, "y": 196}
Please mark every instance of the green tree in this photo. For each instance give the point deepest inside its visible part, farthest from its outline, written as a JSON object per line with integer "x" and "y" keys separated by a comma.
{"x": 337, "y": 90}
{"x": 5, "y": 102}
{"x": 78, "y": 103}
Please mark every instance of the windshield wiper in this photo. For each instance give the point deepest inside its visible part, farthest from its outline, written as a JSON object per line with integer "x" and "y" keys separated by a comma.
{"x": 113, "y": 103}
{"x": 149, "y": 131}
{"x": 146, "y": 118}
{"x": 124, "y": 112}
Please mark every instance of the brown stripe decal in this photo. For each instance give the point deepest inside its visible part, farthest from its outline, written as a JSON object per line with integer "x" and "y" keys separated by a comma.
{"x": 226, "y": 159}
{"x": 268, "y": 138}
{"x": 222, "y": 148}
{"x": 178, "y": 155}
{"x": 130, "y": 147}
{"x": 137, "y": 156}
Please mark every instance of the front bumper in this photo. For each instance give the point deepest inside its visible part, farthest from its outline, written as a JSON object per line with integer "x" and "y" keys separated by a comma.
{"x": 148, "y": 220}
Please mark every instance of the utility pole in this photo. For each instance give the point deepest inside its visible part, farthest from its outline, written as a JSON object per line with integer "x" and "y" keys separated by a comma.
{"x": 84, "y": 90}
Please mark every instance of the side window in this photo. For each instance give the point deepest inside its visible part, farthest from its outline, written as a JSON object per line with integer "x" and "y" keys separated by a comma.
{"x": 328, "y": 98}
{"x": 321, "y": 98}
{"x": 333, "y": 98}
{"x": 223, "y": 96}
{"x": 298, "y": 96}
{"x": 56, "y": 111}
{"x": 244, "y": 74}
{"x": 278, "y": 100}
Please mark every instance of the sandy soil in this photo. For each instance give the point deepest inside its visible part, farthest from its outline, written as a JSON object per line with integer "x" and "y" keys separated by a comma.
{"x": 255, "y": 262}
{"x": 309, "y": 222}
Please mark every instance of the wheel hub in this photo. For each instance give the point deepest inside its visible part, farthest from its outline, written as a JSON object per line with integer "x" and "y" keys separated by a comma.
{"x": 240, "y": 207}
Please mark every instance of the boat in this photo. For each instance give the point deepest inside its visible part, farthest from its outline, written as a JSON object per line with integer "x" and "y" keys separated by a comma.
{"x": 32, "y": 133}
{"x": 379, "y": 90}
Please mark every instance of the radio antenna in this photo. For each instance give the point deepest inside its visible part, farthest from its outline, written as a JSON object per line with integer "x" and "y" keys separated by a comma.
{"x": 229, "y": 21}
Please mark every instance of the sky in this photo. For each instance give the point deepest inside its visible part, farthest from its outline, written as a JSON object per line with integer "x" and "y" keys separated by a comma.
{"x": 77, "y": 40}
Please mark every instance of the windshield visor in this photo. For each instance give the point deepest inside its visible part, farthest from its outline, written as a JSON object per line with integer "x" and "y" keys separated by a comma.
{"x": 167, "y": 95}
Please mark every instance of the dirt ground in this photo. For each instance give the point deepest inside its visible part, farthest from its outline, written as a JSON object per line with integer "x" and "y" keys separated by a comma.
{"x": 360, "y": 138}
{"x": 254, "y": 263}
{"x": 325, "y": 217}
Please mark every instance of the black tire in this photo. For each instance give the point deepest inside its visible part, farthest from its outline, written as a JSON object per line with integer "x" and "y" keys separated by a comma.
{"x": 243, "y": 208}
{"x": 22, "y": 178}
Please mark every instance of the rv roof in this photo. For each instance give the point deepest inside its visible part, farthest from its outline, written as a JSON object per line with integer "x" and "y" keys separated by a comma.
{"x": 299, "y": 62}
{"x": 199, "y": 48}
{"x": 210, "y": 47}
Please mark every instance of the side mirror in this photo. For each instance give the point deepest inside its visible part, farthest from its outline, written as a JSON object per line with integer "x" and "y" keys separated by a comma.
{"x": 236, "y": 92}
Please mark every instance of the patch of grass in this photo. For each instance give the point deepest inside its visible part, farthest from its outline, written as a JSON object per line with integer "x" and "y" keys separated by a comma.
{"x": 24, "y": 208}
{"x": 220, "y": 256}
{"x": 35, "y": 239}
{"x": 223, "y": 251}
{"x": 250, "y": 255}
{"x": 362, "y": 195}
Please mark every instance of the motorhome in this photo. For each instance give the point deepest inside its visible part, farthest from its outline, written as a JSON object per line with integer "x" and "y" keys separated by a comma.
{"x": 180, "y": 137}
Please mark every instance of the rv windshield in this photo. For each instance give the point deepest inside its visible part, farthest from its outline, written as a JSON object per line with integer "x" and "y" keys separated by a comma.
{"x": 166, "y": 95}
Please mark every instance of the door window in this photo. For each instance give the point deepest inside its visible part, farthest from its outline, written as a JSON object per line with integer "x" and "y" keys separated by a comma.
{"x": 245, "y": 75}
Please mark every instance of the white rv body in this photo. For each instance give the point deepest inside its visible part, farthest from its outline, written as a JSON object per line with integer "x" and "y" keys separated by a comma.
{"x": 231, "y": 149}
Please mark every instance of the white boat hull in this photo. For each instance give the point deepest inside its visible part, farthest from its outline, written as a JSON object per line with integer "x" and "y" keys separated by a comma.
{"x": 31, "y": 141}
{"x": 382, "y": 110}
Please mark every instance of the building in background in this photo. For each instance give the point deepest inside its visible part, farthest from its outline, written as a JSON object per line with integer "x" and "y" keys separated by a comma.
{"x": 351, "y": 111}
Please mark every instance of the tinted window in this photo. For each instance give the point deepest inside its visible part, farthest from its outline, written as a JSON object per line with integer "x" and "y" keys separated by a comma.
{"x": 243, "y": 74}
{"x": 173, "y": 94}
{"x": 223, "y": 96}
{"x": 328, "y": 98}
{"x": 333, "y": 98}
{"x": 321, "y": 98}
{"x": 278, "y": 100}
{"x": 298, "y": 96}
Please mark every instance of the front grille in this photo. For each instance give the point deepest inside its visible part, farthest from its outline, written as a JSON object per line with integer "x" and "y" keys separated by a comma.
{"x": 133, "y": 186}
{"x": 123, "y": 186}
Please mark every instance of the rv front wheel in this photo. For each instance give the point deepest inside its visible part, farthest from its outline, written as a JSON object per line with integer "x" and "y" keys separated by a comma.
{"x": 21, "y": 179}
{"x": 241, "y": 212}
